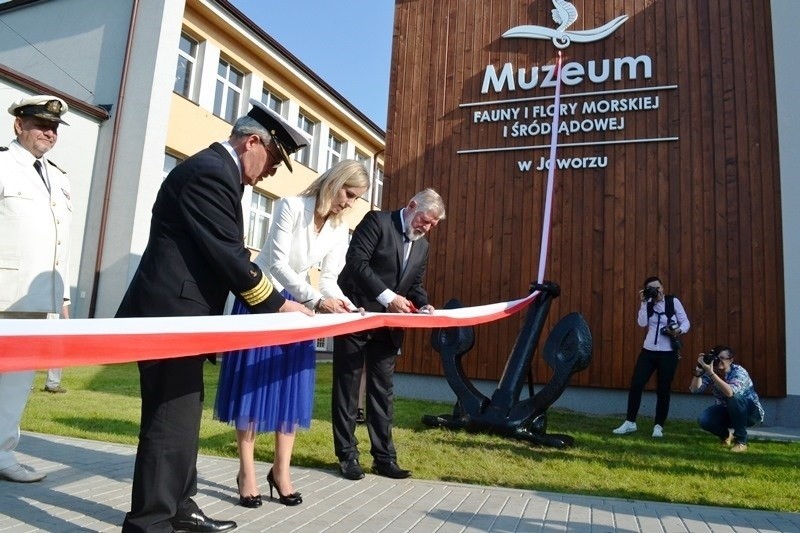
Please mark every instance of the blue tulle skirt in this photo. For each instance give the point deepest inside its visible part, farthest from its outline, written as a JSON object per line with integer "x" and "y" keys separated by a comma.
{"x": 267, "y": 388}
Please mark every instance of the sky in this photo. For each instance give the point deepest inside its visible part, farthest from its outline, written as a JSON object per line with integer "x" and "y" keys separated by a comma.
{"x": 347, "y": 44}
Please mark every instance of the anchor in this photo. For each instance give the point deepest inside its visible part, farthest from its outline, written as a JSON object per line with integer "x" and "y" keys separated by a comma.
{"x": 568, "y": 350}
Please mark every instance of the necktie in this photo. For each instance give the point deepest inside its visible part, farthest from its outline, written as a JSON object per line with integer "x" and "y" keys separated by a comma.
{"x": 38, "y": 166}
{"x": 406, "y": 250}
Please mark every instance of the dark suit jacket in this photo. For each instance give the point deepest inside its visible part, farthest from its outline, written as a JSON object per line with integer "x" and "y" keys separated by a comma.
{"x": 375, "y": 263}
{"x": 196, "y": 251}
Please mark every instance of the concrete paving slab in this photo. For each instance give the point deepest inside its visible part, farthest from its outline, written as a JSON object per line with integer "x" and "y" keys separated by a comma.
{"x": 88, "y": 484}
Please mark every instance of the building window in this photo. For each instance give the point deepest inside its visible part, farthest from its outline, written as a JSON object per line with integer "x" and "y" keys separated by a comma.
{"x": 335, "y": 149}
{"x": 324, "y": 344}
{"x": 269, "y": 99}
{"x": 170, "y": 162}
{"x": 187, "y": 59}
{"x": 229, "y": 91}
{"x": 259, "y": 220}
{"x": 310, "y": 127}
{"x": 364, "y": 160}
{"x": 377, "y": 187}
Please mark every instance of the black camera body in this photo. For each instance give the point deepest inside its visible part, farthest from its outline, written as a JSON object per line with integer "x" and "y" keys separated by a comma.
{"x": 710, "y": 356}
{"x": 669, "y": 331}
{"x": 650, "y": 293}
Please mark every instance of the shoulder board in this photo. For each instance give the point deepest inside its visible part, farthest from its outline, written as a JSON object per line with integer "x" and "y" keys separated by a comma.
{"x": 57, "y": 167}
{"x": 3, "y": 148}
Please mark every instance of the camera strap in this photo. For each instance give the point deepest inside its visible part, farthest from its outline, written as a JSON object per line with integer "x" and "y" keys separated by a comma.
{"x": 669, "y": 307}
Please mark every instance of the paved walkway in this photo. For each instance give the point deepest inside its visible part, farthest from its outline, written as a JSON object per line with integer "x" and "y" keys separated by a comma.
{"x": 88, "y": 489}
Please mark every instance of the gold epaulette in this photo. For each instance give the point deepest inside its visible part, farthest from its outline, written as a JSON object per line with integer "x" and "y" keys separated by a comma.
{"x": 57, "y": 167}
{"x": 259, "y": 293}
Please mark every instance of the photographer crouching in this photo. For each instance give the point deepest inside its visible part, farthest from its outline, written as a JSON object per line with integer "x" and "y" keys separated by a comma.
{"x": 736, "y": 406}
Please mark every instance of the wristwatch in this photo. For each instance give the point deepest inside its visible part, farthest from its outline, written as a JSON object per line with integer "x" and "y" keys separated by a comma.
{"x": 319, "y": 303}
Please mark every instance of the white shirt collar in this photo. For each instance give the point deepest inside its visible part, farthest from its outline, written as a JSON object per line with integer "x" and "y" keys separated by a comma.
{"x": 235, "y": 157}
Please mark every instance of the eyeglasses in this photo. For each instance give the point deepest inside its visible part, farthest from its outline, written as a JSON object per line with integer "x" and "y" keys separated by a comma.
{"x": 276, "y": 157}
{"x": 723, "y": 358}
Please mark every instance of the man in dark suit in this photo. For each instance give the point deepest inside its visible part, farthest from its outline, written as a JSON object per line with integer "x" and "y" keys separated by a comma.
{"x": 384, "y": 272}
{"x": 194, "y": 257}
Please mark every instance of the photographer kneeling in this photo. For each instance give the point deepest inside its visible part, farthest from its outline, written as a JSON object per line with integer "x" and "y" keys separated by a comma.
{"x": 736, "y": 406}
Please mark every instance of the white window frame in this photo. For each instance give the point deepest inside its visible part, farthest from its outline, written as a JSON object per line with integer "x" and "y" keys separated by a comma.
{"x": 305, "y": 123}
{"x": 259, "y": 219}
{"x": 223, "y": 108}
{"x": 377, "y": 186}
{"x": 190, "y": 68}
{"x": 365, "y": 160}
{"x": 335, "y": 150}
{"x": 170, "y": 161}
{"x": 271, "y": 99}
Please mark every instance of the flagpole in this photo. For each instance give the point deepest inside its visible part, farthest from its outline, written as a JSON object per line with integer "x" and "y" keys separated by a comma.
{"x": 548, "y": 204}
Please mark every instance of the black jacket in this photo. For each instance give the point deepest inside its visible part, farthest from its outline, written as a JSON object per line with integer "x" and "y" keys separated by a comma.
{"x": 196, "y": 253}
{"x": 375, "y": 263}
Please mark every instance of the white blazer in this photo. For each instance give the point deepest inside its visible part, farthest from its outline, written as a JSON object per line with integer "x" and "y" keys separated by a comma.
{"x": 293, "y": 247}
{"x": 34, "y": 234}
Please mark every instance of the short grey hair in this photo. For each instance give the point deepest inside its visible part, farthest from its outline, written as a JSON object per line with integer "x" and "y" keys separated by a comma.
{"x": 247, "y": 125}
{"x": 429, "y": 202}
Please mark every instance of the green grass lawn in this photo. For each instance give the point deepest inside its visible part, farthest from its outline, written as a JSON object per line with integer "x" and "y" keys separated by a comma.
{"x": 686, "y": 466}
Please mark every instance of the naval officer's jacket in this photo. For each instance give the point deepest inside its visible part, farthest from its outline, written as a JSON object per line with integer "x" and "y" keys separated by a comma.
{"x": 34, "y": 234}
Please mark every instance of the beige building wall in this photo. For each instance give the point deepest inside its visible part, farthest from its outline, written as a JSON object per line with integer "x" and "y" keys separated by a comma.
{"x": 193, "y": 125}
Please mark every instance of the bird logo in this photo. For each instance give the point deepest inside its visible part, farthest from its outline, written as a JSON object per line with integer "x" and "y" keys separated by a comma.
{"x": 564, "y": 14}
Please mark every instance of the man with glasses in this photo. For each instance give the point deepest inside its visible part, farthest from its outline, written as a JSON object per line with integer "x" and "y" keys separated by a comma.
{"x": 194, "y": 257}
{"x": 35, "y": 218}
{"x": 736, "y": 402}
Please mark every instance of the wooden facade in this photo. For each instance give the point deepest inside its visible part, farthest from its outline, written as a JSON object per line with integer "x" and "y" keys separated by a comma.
{"x": 689, "y": 189}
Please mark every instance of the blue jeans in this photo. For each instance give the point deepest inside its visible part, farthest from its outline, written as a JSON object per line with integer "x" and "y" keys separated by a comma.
{"x": 738, "y": 413}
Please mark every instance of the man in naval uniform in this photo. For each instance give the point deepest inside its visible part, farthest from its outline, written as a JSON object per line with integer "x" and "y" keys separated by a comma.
{"x": 35, "y": 216}
{"x": 194, "y": 257}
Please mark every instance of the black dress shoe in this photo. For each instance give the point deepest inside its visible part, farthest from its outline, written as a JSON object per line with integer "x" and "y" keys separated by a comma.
{"x": 351, "y": 469}
{"x": 197, "y": 522}
{"x": 390, "y": 469}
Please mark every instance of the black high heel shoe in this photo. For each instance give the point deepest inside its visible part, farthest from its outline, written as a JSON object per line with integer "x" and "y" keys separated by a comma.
{"x": 248, "y": 501}
{"x": 289, "y": 499}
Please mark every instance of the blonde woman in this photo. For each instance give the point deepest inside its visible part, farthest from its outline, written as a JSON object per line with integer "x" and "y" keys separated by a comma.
{"x": 271, "y": 388}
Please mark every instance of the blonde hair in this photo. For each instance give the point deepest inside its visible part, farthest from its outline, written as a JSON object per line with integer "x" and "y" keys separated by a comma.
{"x": 347, "y": 173}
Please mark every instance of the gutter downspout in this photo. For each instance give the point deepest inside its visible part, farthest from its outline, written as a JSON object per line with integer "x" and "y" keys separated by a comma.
{"x": 112, "y": 160}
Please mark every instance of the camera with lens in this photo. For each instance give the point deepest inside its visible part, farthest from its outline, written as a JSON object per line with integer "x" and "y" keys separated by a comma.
{"x": 650, "y": 293}
{"x": 670, "y": 330}
{"x": 710, "y": 356}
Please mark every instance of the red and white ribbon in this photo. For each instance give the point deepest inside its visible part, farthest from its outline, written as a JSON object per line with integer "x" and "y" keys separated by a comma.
{"x": 38, "y": 344}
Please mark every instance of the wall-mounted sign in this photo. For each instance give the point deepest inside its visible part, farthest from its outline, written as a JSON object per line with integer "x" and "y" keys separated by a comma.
{"x": 529, "y": 117}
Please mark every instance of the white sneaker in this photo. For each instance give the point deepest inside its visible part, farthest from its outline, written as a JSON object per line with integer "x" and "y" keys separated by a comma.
{"x": 626, "y": 427}
{"x": 21, "y": 474}
{"x": 658, "y": 431}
